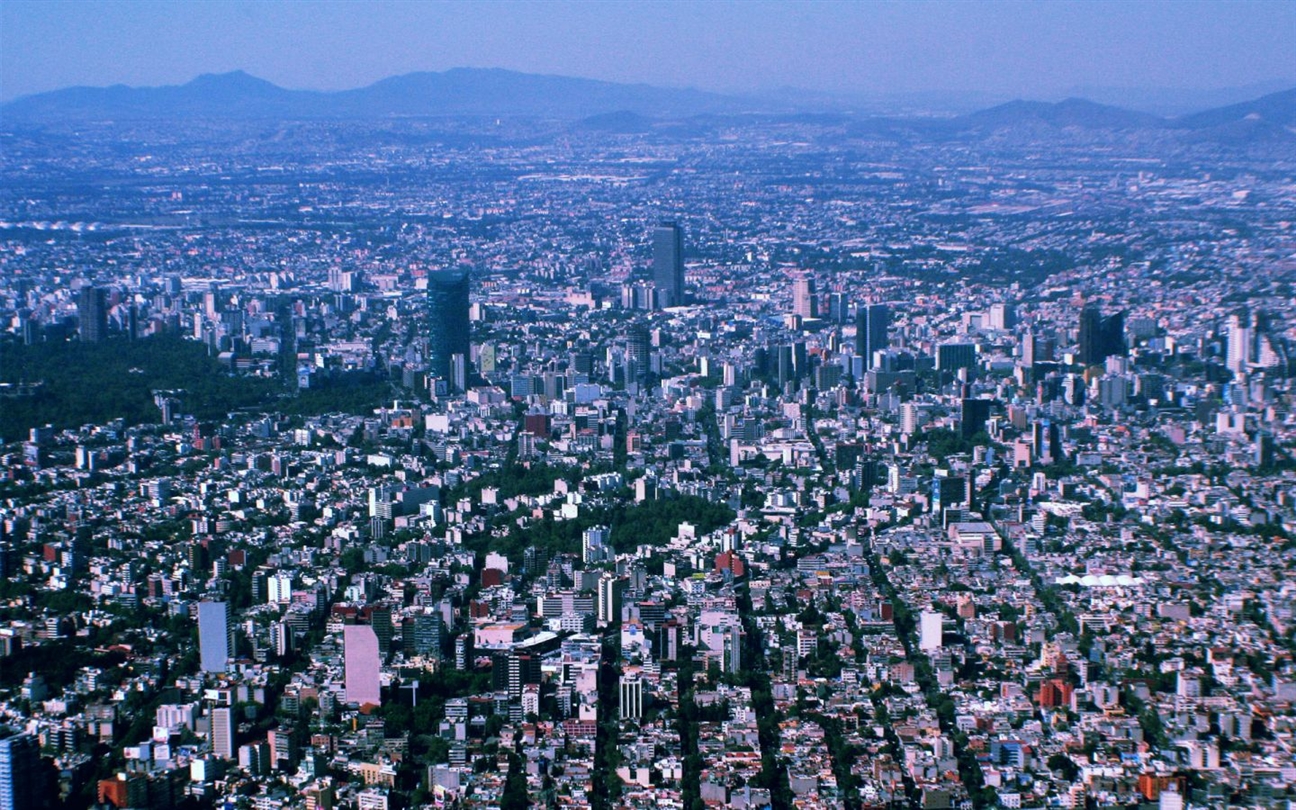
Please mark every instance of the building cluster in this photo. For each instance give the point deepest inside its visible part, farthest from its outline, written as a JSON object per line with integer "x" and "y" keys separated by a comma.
{"x": 868, "y": 483}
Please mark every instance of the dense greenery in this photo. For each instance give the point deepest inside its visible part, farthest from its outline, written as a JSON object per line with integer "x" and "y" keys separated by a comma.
{"x": 94, "y": 383}
{"x": 651, "y": 523}
{"x": 654, "y": 523}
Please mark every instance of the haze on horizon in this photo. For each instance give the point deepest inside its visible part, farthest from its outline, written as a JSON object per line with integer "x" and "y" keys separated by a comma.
{"x": 1007, "y": 49}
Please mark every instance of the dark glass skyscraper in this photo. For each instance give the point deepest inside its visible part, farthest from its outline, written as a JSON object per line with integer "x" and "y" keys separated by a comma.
{"x": 21, "y": 786}
{"x": 871, "y": 324}
{"x": 92, "y": 313}
{"x": 1100, "y": 337}
{"x": 448, "y": 326}
{"x": 668, "y": 264}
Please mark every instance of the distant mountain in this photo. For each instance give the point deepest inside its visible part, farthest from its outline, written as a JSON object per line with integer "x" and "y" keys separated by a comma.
{"x": 461, "y": 91}
{"x": 616, "y": 108}
{"x": 1275, "y": 109}
{"x": 1073, "y": 112}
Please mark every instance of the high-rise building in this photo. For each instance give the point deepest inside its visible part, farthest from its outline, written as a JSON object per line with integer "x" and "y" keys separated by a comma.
{"x": 21, "y": 785}
{"x": 668, "y": 264}
{"x": 222, "y": 732}
{"x": 610, "y": 590}
{"x": 975, "y": 414}
{"x": 908, "y": 418}
{"x": 1100, "y": 337}
{"x": 448, "y": 326}
{"x": 422, "y": 634}
{"x": 953, "y": 356}
{"x": 929, "y": 631}
{"x": 1241, "y": 342}
{"x": 215, "y": 635}
{"x": 1002, "y": 316}
{"x": 838, "y": 307}
{"x": 871, "y": 323}
{"x": 631, "y": 697}
{"x": 92, "y": 313}
{"x": 1091, "y": 336}
{"x": 362, "y": 663}
{"x": 804, "y": 301}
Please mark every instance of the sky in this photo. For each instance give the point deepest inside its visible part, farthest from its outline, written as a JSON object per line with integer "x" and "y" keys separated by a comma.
{"x": 1036, "y": 49}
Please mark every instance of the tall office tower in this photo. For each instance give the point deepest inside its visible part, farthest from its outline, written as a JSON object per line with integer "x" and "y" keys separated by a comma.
{"x": 222, "y": 732}
{"x": 92, "y": 311}
{"x": 21, "y": 785}
{"x": 954, "y": 356}
{"x": 1113, "y": 336}
{"x": 804, "y": 301}
{"x": 631, "y": 697}
{"x": 610, "y": 590}
{"x": 1240, "y": 343}
{"x": 639, "y": 347}
{"x": 838, "y": 307}
{"x": 362, "y": 664}
{"x": 448, "y": 324}
{"x": 1029, "y": 350}
{"x": 871, "y": 323}
{"x": 215, "y": 635}
{"x": 1091, "y": 343}
{"x": 1002, "y": 316}
{"x": 1100, "y": 337}
{"x": 976, "y": 412}
{"x": 422, "y": 635}
{"x": 668, "y": 264}
{"x": 929, "y": 637}
{"x": 908, "y": 418}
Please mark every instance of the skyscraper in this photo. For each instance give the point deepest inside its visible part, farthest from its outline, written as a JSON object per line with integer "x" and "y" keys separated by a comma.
{"x": 222, "y": 732}
{"x": 1091, "y": 336}
{"x": 92, "y": 312}
{"x": 976, "y": 412}
{"x": 362, "y": 662}
{"x": 668, "y": 264}
{"x": 610, "y": 589}
{"x": 930, "y": 629}
{"x": 871, "y": 323}
{"x": 1100, "y": 337}
{"x": 448, "y": 326}
{"x": 804, "y": 301}
{"x": 21, "y": 785}
{"x": 1241, "y": 341}
{"x": 631, "y": 697}
{"x": 215, "y": 638}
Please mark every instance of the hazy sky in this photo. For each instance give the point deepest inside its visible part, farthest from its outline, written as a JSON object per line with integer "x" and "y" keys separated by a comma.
{"x": 1028, "y": 49}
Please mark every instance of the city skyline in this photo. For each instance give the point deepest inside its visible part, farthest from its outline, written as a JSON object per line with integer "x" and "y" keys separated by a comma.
{"x": 496, "y": 441}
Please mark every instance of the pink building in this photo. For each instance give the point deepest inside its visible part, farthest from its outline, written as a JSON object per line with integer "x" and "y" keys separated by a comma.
{"x": 363, "y": 661}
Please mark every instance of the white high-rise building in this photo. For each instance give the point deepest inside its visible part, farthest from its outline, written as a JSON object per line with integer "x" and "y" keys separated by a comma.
{"x": 631, "y": 697}
{"x": 929, "y": 631}
{"x": 1240, "y": 342}
{"x": 222, "y": 732}
{"x": 610, "y": 588}
{"x": 908, "y": 418}
{"x": 280, "y": 587}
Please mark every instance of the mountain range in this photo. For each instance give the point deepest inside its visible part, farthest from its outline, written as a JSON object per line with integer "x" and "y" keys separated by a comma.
{"x": 604, "y": 105}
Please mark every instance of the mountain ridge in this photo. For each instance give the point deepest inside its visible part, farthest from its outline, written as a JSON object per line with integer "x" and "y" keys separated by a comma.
{"x": 498, "y": 92}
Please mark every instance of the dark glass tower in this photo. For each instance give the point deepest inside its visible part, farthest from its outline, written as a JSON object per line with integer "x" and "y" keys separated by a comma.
{"x": 448, "y": 325}
{"x": 1100, "y": 337}
{"x": 92, "y": 312}
{"x": 668, "y": 264}
{"x": 871, "y": 324}
{"x": 21, "y": 785}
